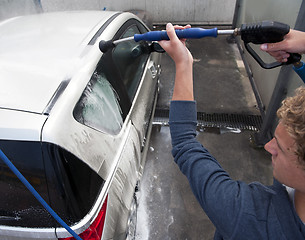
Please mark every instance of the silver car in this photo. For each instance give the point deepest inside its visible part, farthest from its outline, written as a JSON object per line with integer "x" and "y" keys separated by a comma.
{"x": 75, "y": 122}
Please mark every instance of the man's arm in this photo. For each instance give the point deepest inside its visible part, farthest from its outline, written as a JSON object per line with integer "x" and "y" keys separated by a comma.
{"x": 176, "y": 49}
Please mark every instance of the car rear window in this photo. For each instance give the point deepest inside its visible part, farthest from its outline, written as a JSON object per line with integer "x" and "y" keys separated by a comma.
{"x": 65, "y": 182}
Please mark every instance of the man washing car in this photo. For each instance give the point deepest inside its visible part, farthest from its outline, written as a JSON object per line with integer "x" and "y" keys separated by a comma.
{"x": 239, "y": 210}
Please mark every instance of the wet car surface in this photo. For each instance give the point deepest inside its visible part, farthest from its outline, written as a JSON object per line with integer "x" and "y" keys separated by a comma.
{"x": 74, "y": 121}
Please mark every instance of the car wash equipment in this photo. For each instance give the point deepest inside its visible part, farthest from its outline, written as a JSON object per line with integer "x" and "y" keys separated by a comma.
{"x": 256, "y": 33}
{"x": 162, "y": 35}
{"x": 266, "y": 32}
{"x": 36, "y": 194}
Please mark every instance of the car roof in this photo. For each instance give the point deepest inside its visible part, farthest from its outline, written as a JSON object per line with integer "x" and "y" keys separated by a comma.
{"x": 39, "y": 52}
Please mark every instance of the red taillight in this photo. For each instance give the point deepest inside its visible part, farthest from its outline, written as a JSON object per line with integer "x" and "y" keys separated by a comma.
{"x": 94, "y": 232}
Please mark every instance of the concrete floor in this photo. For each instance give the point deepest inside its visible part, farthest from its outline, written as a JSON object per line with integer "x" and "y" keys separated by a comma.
{"x": 167, "y": 206}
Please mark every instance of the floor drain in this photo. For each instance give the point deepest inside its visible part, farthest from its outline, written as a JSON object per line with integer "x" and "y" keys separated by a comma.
{"x": 216, "y": 120}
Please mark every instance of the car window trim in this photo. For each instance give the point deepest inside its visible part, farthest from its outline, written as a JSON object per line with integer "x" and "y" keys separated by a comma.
{"x": 61, "y": 88}
{"x": 103, "y": 27}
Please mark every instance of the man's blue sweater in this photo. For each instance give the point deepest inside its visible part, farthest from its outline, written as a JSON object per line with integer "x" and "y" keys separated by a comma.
{"x": 238, "y": 210}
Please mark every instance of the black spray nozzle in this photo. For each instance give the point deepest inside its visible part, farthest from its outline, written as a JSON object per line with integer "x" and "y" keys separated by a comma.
{"x": 104, "y": 46}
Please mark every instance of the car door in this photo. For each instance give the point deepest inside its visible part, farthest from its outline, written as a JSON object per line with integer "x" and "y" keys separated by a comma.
{"x": 119, "y": 101}
{"x": 139, "y": 69}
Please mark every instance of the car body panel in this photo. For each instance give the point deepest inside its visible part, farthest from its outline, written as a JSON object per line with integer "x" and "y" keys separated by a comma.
{"x": 51, "y": 60}
{"x": 117, "y": 158}
{"x": 17, "y": 233}
{"x": 84, "y": 141}
{"x": 19, "y": 125}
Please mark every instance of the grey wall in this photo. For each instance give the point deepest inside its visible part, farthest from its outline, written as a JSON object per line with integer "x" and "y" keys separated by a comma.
{"x": 161, "y": 11}
{"x": 276, "y": 10}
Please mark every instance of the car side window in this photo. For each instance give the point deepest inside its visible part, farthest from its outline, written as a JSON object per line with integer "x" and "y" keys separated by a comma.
{"x": 107, "y": 99}
{"x": 130, "y": 58}
{"x": 99, "y": 107}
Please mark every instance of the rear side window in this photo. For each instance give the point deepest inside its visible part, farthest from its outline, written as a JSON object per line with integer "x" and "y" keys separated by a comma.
{"x": 99, "y": 107}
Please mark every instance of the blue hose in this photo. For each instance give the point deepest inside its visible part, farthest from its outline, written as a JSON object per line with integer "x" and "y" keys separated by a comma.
{"x": 36, "y": 195}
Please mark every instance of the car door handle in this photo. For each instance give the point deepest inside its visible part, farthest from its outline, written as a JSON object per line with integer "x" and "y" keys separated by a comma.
{"x": 153, "y": 70}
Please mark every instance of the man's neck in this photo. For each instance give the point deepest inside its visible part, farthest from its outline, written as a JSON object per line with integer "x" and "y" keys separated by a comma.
{"x": 299, "y": 202}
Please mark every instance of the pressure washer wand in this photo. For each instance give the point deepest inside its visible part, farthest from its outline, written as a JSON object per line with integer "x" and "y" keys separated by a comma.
{"x": 189, "y": 33}
{"x": 256, "y": 33}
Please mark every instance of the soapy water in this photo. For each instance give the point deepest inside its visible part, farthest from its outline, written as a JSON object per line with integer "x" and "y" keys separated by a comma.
{"x": 154, "y": 219}
{"x": 146, "y": 219}
{"x": 142, "y": 232}
{"x": 99, "y": 106}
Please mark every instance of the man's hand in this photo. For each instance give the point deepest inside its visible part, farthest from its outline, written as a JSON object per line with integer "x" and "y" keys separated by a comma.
{"x": 294, "y": 42}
